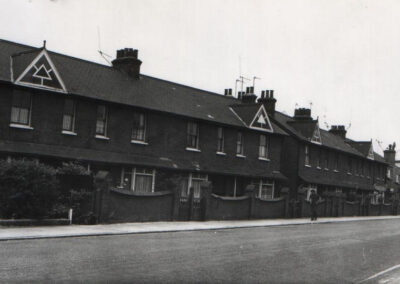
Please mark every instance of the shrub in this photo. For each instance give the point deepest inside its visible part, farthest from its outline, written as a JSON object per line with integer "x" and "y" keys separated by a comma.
{"x": 27, "y": 189}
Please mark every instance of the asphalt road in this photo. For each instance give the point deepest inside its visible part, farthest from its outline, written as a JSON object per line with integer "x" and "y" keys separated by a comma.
{"x": 319, "y": 253}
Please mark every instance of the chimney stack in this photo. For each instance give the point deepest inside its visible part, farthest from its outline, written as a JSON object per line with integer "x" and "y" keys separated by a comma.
{"x": 338, "y": 130}
{"x": 268, "y": 100}
{"x": 248, "y": 96}
{"x": 390, "y": 154}
{"x": 127, "y": 61}
{"x": 302, "y": 114}
{"x": 228, "y": 92}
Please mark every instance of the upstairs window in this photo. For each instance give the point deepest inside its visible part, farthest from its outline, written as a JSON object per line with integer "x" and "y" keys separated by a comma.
{"x": 336, "y": 165}
{"x": 101, "y": 123}
{"x": 21, "y": 108}
{"x": 239, "y": 144}
{"x": 307, "y": 156}
{"x": 220, "y": 141}
{"x": 263, "y": 148}
{"x": 326, "y": 163}
{"x": 69, "y": 116}
{"x": 193, "y": 135}
{"x": 319, "y": 159}
{"x": 139, "y": 127}
{"x": 389, "y": 173}
{"x": 349, "y": 165}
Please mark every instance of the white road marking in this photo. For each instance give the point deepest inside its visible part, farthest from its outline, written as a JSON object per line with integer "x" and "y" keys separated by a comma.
{"x": 380, "y": 273}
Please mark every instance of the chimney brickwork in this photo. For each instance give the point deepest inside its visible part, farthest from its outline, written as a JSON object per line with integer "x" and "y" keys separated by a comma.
{"x": 127, "y": 61}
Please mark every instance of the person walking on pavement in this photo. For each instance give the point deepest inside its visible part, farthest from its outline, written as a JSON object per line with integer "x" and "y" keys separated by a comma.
{"x": 313, "y": 205}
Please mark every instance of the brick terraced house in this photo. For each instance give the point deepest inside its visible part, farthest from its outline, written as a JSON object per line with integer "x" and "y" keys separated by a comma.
{"x": 141, "y": 129}
{"x": 327, "y": 161}
{"x": 161, "y": 141}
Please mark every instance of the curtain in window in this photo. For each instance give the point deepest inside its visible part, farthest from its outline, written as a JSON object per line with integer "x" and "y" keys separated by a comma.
{"x": 192, "y": 135}
{"x": 21, "y": 106}
{"x": 196, "y": 188}
{"x": 143, "y": 183}
{"x": 101, "y": 122}
{"x": 239, "y": 144}
{"x": 220, "y": 146}
{"x": 263, "y": 149}
{"x": 69, "y": 113}
{"x": 138, "y": 130}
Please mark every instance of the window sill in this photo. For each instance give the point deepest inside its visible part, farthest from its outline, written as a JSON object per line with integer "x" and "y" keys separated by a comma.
{"x": 326, "y": 169}
{"x": 139, "y": 142}
{"x": 69, "y": 133}
{"x": 264, "y": 159}
{"x": 308, "y": 166}
{"x": 240, "y": 156}
{"x": 335, "y": 171}
{"x": 21, "y": 126}
{"x": 349, "y": 174}
{"x": 318, "y": 168}
{"x": 101, "y": 137}
{"x": 221, "y": 153}
{"x": 192, "y": 149}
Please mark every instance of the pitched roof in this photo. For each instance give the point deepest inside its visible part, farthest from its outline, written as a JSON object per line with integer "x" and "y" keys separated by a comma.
{"x": 304, "y": 129}
{"x": 106, "y": 83}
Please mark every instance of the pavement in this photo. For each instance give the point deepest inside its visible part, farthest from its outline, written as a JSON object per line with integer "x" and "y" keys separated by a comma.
{"x": 40, "y": 232}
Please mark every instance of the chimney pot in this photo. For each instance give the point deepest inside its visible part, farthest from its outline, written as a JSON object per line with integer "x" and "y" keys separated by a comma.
{"x": 127, "y": 62}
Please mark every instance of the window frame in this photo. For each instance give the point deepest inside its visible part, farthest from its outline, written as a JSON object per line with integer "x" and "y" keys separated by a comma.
{"x": 18, "y": 123}
{"x": 104, "y": 121}
{"x": 264, "y": 182}
{"x": 73, "y": 118}
{"x": 220, "y": 141}
{"x": 190, "y": 136}
{"x": 135, "y": 171}
{"x": 140, "y": 128}
{"x": 240, "y": 144}
{"x": 264, "y": 148}
{"x": 307, "y": 157}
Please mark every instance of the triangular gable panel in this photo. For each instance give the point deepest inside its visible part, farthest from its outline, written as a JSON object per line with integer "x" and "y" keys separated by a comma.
{"x": 41, "y": 73}
{"x": 371, "y": 153}
{"x": 261, "y": 121}
{"x": 316, "y": 138}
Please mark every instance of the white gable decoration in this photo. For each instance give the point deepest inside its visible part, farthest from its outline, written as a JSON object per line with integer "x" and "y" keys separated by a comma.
{"x": 316, "y": 138}
{"x": 371, "y": 153}
{"x": 261, "y": 121}
{"x": 41, "y": 73}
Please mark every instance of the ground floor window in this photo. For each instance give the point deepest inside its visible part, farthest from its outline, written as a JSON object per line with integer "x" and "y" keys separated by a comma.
{"x": 138, "y": 179}
{"x": 194, "y": 181}
{"x": 265, "y": 188}
{"x": 378, "y": 198}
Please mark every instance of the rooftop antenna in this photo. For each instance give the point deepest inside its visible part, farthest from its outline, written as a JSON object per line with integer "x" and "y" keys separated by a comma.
{"x": 310, "y": 105}
{"x": 348, "y": 127}
{"x": 326, "y": 123}
{"x": 379, "y": 143}
{"x": 102, "y": 54}
{"x": 241, "y": 80}
{"x": 254, "y": 81}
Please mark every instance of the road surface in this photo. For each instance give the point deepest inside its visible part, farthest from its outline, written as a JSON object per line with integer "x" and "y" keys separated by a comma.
{"x": 350, "y": 252}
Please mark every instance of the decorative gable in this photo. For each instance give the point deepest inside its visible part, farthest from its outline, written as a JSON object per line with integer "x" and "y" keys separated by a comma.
{"x": 261, "y": 121}
{"x": 316, "y": 137}
{"x": 41, "y": 73}
{"x": 371, "y": 153}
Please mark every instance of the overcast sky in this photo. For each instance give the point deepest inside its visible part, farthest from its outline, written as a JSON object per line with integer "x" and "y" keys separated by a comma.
{"x": 341, "y": 56}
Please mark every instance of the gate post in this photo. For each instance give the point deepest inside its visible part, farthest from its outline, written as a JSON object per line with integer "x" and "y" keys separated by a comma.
{"x": 101, "y": 186}
{"x": 206, "y": 190}
{"x": 250, "y": 192}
